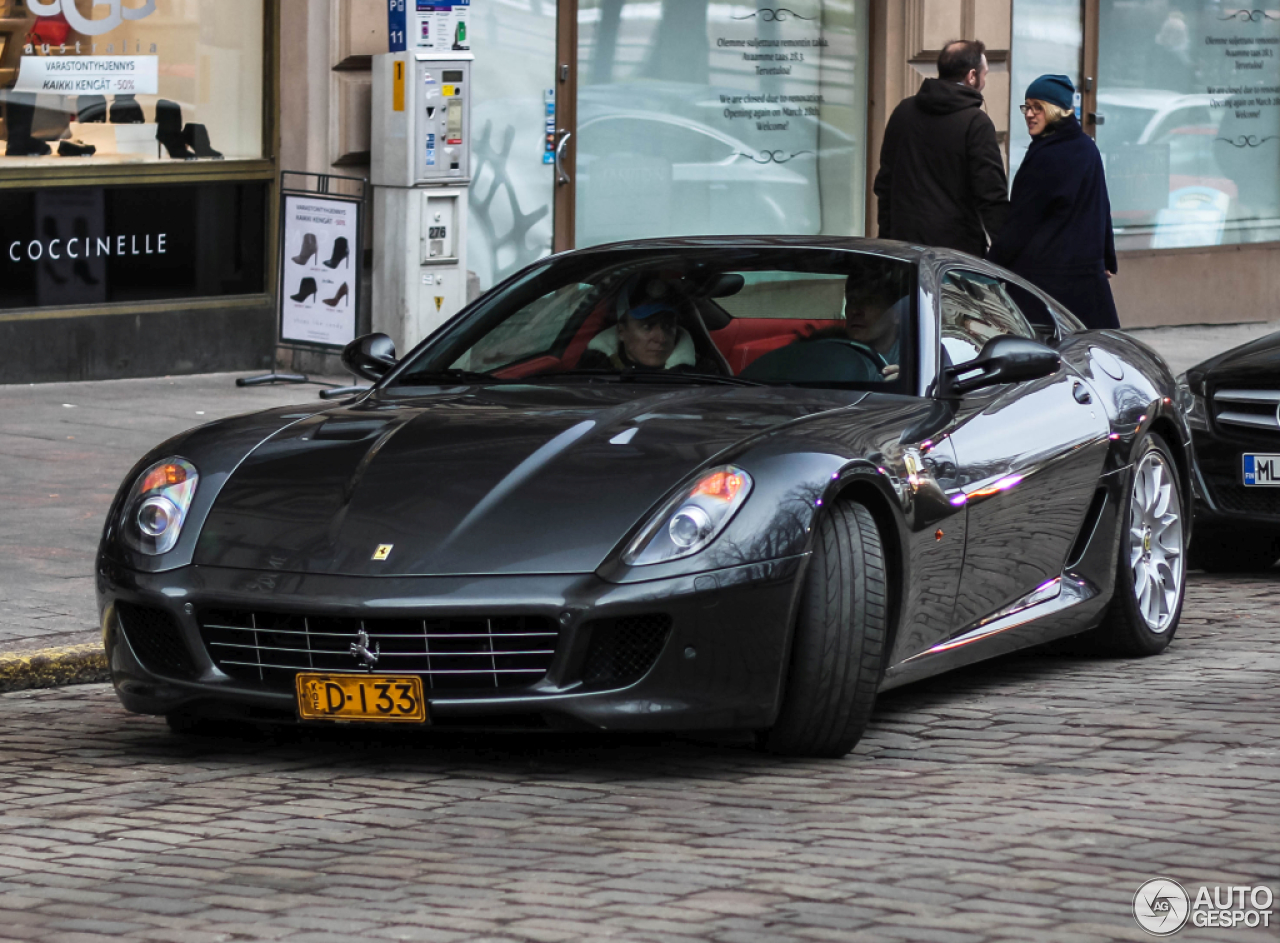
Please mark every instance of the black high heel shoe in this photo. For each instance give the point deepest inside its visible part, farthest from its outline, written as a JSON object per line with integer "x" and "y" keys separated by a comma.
{"x": 340, "y": 252}
{"x": 196, "y": 137}
{"x": 126, "y": 110}
{"x": 308, "y": 251}
{"x": 306, "y": 290}
{"x": 169, "y": 129}
{"x": 19, "y": 112}
{"x": 342, "y": 295}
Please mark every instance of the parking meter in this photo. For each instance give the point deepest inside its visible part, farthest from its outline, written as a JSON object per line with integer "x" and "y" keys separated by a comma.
{"x": 421, "y": 172}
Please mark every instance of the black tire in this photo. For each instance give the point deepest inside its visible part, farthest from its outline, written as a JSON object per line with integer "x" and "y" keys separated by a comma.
{"x": 1238, "y": 553}
{"x": 1125, "y": 629}
{"x": 838, "y": 652}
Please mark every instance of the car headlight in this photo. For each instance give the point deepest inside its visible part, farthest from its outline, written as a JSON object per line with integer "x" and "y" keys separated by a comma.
{"x": 158, "y": 504}
{"x": 1191, "y": 394}
{"x": 692, "y": 519}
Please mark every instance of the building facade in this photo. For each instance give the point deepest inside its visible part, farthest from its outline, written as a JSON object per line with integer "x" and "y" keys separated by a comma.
{"x": 593, "y": 120}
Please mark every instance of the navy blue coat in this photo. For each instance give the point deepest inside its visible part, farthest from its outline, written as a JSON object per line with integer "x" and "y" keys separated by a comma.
{"x": 1058, "y": 233}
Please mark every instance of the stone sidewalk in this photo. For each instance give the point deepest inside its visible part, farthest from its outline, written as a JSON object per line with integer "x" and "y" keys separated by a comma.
{"x": 64, "y": 450}
{"x": 1025, "y": 799}
{"x": 65, "y": 447}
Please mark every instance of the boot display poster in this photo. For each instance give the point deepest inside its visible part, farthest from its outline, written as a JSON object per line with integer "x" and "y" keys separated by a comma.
{"x": 317, "y": 271}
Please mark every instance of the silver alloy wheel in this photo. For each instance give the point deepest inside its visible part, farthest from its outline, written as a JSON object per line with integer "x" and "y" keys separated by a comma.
{"x": 1155, "y": 542}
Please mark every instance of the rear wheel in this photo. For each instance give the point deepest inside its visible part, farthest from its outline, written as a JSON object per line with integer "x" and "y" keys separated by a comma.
{"x": 1239, "y": 553}
{"x": 838, "y": 650}
{"x": 1151, "y": 571}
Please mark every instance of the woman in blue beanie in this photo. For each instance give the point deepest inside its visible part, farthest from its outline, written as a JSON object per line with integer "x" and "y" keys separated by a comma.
{"x": 1058, "y": 234}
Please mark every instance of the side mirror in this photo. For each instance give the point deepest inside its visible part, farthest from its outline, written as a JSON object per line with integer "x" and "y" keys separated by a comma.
{"x": 371, "y": 357}
{"x": 1004, "y": 359}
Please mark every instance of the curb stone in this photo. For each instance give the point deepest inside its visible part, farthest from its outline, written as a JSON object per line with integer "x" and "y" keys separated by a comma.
{"x": 53, "y": 667}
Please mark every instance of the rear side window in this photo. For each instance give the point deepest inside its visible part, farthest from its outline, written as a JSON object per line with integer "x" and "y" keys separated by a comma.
{"x": 794, "y": 295}
{"x": 976, "y": 308}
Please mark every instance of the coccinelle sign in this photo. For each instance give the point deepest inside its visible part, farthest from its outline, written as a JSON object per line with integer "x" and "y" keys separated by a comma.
{"x": 71, "y": 246}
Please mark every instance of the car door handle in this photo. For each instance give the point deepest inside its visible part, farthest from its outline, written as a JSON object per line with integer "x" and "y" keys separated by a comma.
{"x": 561, "y": 177}
{"x": 1081, "y": 394}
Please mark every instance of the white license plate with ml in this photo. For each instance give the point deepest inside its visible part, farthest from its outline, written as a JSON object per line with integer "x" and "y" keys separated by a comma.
{"x": 1262, "y": 470}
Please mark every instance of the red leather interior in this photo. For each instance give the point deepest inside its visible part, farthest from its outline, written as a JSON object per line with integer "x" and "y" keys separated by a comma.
{"x": 528, "y": 368}
{"x": 745, "y": 339}
{"x": 741, "y": 342}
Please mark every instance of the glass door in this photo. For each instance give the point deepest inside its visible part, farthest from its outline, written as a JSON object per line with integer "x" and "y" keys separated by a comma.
{"x": 1048, "y": 37}
{"x": 513, "y": 190}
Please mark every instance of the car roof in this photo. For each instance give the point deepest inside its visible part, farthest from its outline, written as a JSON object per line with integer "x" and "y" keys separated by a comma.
{"x": 902, "y": 251}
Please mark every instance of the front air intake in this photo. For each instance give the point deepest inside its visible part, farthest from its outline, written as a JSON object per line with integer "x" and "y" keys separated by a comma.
{"x": 156, "y": 640}
{"x": 623, "y": 650}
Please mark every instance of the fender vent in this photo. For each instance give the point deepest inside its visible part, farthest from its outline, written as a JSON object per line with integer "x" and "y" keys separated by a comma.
{"x": 156, "y": 639}
{"x": 623, "y": 650}
{"x": 1087, "y": 527}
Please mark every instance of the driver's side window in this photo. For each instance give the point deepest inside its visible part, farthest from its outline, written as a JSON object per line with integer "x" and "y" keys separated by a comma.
{"x": 976, "y": 308}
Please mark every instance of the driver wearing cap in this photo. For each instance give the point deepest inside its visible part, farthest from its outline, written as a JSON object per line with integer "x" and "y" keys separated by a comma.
{"x": 648, "y": 337}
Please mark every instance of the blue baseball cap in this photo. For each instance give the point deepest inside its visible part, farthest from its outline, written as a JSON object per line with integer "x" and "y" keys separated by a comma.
{"x": 1054, "y": 89}
{"x": 650, "y": 309}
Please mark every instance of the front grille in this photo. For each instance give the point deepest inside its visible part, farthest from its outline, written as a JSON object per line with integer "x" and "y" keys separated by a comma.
{"x": 623, "y": 650}
{"x": 449, "y": 653}
{"x": 1247, "y": 409}
{"x": 156, "y": 639}
{"x": 1244, "y": 500}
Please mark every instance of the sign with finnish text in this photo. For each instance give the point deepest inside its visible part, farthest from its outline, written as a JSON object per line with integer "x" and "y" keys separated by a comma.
{"x": 90, "y": 75}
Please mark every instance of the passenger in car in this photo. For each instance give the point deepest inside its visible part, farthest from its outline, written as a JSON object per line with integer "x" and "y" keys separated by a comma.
{"x": 647, "y": 337}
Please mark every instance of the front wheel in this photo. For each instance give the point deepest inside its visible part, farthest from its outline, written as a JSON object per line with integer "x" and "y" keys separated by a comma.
{"x": 1151, "y": 571}
{"x": 838, "y": 650}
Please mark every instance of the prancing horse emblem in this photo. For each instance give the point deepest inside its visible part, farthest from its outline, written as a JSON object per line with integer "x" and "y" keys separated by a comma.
{"x": 360, "y": 648}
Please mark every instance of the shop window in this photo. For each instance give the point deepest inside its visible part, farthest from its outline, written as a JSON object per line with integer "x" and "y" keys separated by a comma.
{"x": 1189, "y": 98}
{"x": 701, "y": 117}
{"x": 129, "y": 82}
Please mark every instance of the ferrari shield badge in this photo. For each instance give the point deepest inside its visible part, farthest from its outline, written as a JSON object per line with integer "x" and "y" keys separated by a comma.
{"x": 383, "y": 551}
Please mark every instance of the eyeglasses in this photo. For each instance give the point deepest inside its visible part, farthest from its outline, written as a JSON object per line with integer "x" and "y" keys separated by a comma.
{"x": 1031, "y": 109}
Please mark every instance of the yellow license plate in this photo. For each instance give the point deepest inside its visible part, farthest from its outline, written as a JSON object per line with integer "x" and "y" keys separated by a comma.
{"x": 361, "y": 697}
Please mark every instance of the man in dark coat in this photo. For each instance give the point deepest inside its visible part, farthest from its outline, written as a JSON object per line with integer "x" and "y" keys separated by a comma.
{"x": 941, "y": 180}
{"x": 1058, "y": 235}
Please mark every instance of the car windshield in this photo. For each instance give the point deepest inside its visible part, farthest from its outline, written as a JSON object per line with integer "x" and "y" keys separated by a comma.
{"x": 765, "y": 316}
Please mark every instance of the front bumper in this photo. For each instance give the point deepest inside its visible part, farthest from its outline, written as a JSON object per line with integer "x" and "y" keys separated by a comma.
{"x": 1224, "y": 504}
{"x": 721, "y": 666}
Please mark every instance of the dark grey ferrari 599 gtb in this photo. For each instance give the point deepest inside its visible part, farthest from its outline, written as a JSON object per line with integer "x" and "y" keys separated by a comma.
{"x": 713, "y": 483}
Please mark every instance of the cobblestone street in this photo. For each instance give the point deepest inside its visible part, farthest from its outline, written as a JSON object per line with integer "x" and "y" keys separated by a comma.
{"x": 1025, "y": 799}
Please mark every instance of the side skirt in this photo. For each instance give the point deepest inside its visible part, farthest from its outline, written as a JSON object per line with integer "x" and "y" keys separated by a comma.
{"x": 1060, "y": 607}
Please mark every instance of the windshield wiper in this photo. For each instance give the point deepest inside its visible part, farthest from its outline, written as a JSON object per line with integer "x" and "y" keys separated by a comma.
{"x": 645, "y": 376}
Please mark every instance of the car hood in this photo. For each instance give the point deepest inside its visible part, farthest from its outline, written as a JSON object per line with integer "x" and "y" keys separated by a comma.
{"x": 1255, "y": 362}
{"x": 487, "y": 480}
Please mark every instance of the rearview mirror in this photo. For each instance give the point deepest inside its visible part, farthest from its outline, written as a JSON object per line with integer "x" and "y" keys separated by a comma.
{"x": 371, "y": 357}
{"x": 1004, "y": 359}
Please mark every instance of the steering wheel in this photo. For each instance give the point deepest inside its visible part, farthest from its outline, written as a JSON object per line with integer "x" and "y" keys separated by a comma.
{"x": 824, "y": 360}
{"x": 866, "y": 350}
